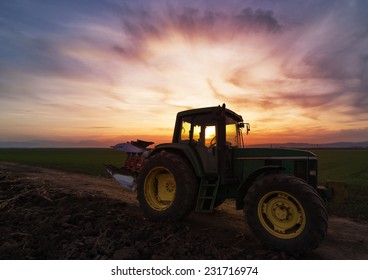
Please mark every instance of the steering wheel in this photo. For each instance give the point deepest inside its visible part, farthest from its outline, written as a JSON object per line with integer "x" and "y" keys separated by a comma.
{"x": 213, "y": 142}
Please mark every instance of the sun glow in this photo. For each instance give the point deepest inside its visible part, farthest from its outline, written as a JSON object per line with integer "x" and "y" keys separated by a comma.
{"x": 121, "y": 75}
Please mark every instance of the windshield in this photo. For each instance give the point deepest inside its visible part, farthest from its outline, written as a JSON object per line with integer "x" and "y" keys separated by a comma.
{"x": 203, "y": 130}
{"x": 198, "y": 132}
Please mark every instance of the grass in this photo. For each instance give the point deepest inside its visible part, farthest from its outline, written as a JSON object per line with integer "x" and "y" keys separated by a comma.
{"x": 350, "y": 166}
{"x": 347, "y": 165}
{"x": 86, "y": 161}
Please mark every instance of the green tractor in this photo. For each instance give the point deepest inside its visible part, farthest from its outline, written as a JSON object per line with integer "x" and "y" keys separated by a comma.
{"x": 207, "y": 163}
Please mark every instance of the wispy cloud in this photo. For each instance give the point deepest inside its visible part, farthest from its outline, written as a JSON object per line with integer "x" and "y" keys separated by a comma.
{"x": 120, "y": 65}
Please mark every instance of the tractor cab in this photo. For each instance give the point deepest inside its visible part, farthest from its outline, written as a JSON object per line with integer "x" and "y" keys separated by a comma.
{"x": 211, "y": 132}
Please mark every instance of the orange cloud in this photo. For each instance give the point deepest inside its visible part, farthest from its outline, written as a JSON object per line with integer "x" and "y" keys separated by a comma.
{"x": 126, "y": 73}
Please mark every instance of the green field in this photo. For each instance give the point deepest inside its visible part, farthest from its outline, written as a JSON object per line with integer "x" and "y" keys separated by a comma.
{"x": 86, "y": 161}
{"x": 348, "y": 165}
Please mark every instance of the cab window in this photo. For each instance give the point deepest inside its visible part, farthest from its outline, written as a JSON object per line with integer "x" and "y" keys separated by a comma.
{"x": 232, "y": 136}
{"x": 185, "y": 131}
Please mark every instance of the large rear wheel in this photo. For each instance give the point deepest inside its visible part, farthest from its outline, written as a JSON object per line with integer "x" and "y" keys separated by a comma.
{"x": 286, "y": 214}
{"x": 167, "y": 187}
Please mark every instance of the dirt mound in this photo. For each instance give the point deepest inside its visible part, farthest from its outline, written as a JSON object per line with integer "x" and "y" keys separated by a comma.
{"x": 48, "y": 214}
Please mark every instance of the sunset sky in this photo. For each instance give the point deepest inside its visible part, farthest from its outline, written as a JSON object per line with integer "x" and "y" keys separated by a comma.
{"x": 113, "y": 71}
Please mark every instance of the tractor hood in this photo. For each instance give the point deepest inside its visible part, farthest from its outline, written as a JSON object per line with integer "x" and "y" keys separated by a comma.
{"x": 271, "y": 153}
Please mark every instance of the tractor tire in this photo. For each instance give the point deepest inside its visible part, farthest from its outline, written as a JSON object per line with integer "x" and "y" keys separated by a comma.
{"x": 167, "y": 187}
{"x": 286, "y": 214}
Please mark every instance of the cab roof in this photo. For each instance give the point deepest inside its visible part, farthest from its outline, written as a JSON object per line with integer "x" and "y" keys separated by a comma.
{"x": 210, "y": 110}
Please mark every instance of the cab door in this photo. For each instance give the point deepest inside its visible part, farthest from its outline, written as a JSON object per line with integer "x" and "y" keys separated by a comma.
{"x": 206, "y": 147}
{"x": 200, "y": 132}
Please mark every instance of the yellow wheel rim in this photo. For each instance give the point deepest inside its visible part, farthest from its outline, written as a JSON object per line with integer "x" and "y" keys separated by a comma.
{"x": 159, "y": 188}
{"x": 281, "y": 215}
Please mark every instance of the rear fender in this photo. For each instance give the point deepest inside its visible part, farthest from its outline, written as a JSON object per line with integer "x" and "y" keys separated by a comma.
{"x": 183, "y": 150}
{"x": 248, "y": 181}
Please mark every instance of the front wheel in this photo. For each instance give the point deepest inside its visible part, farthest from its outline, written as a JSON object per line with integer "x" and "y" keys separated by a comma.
{"x": 286, "y": 214}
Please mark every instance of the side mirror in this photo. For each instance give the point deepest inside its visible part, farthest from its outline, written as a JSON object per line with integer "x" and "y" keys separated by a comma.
{"x": 248, "y": 127}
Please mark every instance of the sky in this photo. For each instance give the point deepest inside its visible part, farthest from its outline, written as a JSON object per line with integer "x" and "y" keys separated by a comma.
{"x": 114, "y": 71}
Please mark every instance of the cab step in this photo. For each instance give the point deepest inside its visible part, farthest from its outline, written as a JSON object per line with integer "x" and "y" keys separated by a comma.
{"x": 207, "y": 195}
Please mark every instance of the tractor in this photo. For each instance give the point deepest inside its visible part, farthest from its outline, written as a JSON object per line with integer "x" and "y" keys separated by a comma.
{"x": 207, "y": 163}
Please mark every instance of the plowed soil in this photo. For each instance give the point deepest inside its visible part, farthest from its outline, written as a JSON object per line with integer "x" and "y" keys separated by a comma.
{"x": 48, "y": 214}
